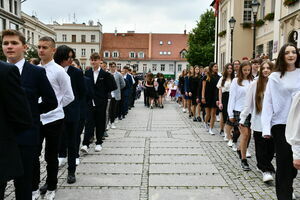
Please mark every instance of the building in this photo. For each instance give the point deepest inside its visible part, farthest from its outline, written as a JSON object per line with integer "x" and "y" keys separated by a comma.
{"x": 277, "y": 23}
{"x": 10, "y": 15}
{"x": 84, "y": 39}
{"x": 33, "y": 29}
{"x": 146, "y": 52}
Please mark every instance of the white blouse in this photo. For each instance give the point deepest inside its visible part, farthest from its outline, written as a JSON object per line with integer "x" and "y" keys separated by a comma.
{"x": 237, "y": 96}
{"x": 226, "y": 87}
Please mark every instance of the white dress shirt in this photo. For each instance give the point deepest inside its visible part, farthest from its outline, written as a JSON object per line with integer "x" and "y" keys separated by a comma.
{"x": 237, "y": 96}
{"x": 278, "y": 98}
{"x": 20, "y": 65}
{"x": 96, "y": 73}
{"x": 226, "y": 87}
{"x": 61, "y": 84}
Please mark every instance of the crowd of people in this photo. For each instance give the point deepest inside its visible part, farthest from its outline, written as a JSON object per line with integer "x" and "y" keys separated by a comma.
{"x": 255, "y": 97}
{"x": 48, "y": 107}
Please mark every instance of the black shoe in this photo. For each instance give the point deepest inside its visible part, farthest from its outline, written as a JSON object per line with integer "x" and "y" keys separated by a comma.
{"x": 190, "y": 116}
{"x": 71, "y": 178}
{"x": 105, "y": 134}
{"x": 120, "y": 118}
{"x": 239, "y": 153}
{"x": 103, "y": 138}
{"x": 199, "y": 119}
{"x": 195, "y": 119}
{"x": 43, "y": 189}
{"x": 162, "y": 106}
{"x": 222, "y": 133}
{"x": 245, "y": 165}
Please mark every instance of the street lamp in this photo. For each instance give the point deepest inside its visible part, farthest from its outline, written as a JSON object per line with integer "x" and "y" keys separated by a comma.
{"x": 254, "y": 6}
{"x": 231, "y": 24}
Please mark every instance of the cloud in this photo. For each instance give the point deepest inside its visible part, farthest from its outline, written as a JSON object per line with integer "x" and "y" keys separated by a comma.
{"x": 141, "y": 16}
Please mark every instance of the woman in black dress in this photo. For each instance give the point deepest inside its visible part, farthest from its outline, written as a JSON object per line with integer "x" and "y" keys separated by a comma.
{"x": 187, "y": 89}
{"x": 181, "y": 88}
{"x": 209, "y": 96}
{"x": 161, "y": 89}
{"x": 195, "y": 80}
{"x": 150, "y": 88}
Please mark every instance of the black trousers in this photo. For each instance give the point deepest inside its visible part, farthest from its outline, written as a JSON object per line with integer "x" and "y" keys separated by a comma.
{"x": 79, "y": 131}
{"x": 23, "y": 187}
{"x": 285, "y": 172}
{"x": 113, "y": 106}
{"x": 51, "y": 133}
{"x": 264, "y": 152}
{"x": 225, "y": 98}
{"x": 67, "y": 145}
{"x": 96, "y": 118}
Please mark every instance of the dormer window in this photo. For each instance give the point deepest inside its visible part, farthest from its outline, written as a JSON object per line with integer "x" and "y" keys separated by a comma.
{"x": 115, "y": 54}
{"x": 132, "y": 54}
{"x": 106, "y": 54}
{"x": 161, "y": 42}
{"x": 169, "y": 42}
{"x": 141, "y": 55}
{"x": 183, "y": 54}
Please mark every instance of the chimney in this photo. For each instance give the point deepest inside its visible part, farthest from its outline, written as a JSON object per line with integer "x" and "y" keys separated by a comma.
{"x": 184, "y": 29}
{"x": 184, "y": 32}
{"x": 116, "y": 31}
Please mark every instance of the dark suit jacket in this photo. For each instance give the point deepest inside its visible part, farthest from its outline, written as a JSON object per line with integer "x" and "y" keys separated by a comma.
{"x": 72, "y": 111}
{"x": 36, "y": 84}
{"x": 105, "y": 84}
{"x": 15, "y": 116}
{"x": 129, "y": 84}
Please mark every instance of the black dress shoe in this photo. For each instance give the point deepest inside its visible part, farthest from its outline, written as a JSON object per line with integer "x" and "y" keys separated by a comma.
{"x": 239, "y": 153}
{"x": 71, "y": 178}
{"x": 43, "y": 189}
{"x": 245, "y": 165}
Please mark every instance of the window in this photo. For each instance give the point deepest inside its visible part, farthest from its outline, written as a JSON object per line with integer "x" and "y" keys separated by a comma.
{"x": 93, "y": 51}
{"x": 169, "y": 52}
{"x": 272, "y": 6}
{"x": 141, "y": 55}
{"x": 93, "y": 38}
{"x": 74, "y": 51}
{"x": 161, "y": 42}
{"x": 171, "y": 67}
{"x": 64, "y": 37}
{"x": 270, "y": 49}
{"x": 115, "y": 54}
{"x": 162, "y": 67}
{"x": 260, "y": 49}
{"x": 160, "y": 53}
{"x": 165, "y": 53}
{"x": 82, "y": 38}
{"x": 224, "y": 21}
{"x": 144, "y": 67}
{"x": 2, "y": 24}
{"x": 169, "y": 42}
{"x": 179, "y": 68}
{"x": 83, "y": 52}
{"x": 131, "y": 55}
{"x": 1, "y": 4}
{"x": 183, "y": 54}
{"x": 32, "y": 37}
{"x": 13, "y": 26}
{"x": 83, "y": 65}
{"x": 28, "y": 36}
{"x": 247, "y": 11}
{"x": 106, "y": 54}
{"x": 73, "y": 38}
{"x": 10, "y": 6}
{"x": 154, "y": 67}
{"x": 262, "y": 9}
{"x": 16, "y": 7}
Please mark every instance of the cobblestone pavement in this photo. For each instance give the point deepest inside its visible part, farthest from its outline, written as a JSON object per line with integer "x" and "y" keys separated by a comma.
{"x": 161, "y": 154}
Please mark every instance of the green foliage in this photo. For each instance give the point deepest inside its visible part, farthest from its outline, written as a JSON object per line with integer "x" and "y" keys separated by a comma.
{"x": 222, "y": 33}
{"x": 260, "y": 22}
{"x": 269, "y": 17}
{"x": 201, "y": 40}
{"x": 247, "y": 25}
{"x": 31, "y": 53}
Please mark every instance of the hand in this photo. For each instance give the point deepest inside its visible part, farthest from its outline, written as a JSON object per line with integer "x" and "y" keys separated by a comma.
{"x": 296, "y": 164}
{"x": 221, "y": 106}
{"x": 267, "y": 136}
{"x": 241, "y": 125}
{"x": 203, "y": 101}
{"x": 232, "y": 120}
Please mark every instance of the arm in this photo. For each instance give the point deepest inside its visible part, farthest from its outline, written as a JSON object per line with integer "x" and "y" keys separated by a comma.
{"x": 46, "y": 92}
{"x": 267, "y": 111}
{"x": 111, "y": 82}
{"x": 81, "y": 85}
{"x": 249, "y": 104}
{"x": 231, "y": 101}
{"x": 203, "y": 91}
{"x": 66, "y": 88}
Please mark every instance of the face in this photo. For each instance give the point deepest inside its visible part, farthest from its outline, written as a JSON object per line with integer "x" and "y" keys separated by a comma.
{"x": 266, "y": 70}
{"x": 215, "y": 68}
{"x": 103, "y": 65}
{"x": 246, "y": 70}
{"x": 230, "y": 69}
{"x": 191, "y": 69}
{"x": 46, "y": 50}
{"x": 113, "y": 68}
{"x": 255, "y": 66}
{"x": 95, "y": 63}
{"x": 75, "y": 65}
{"x": 290, "y": 56}
{"x": 197, "y": 70}
{"x": 69, "y": 61}
{"x": 13, "y": 48}
{"x": 236, "y": 66}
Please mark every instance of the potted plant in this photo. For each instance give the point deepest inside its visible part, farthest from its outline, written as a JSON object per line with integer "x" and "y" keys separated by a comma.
{"x": 269, "y": 17}
{"x": 259, "y": 23}
{"x": 222, "y": 33}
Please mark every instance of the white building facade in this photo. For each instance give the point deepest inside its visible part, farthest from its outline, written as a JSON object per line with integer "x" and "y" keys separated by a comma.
{"x": 10, "y": 15}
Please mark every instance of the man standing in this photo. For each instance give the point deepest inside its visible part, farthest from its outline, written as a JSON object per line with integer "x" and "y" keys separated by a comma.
{"x": 52, "y": 122}
{"x": 127, "y": 91}
{"x": 36, "y": 85}
{"x": 101, "y": 82}
{"x": 135, "y": 84}
{"x": 15, "y": 117}
{"x": 64, "y": 56}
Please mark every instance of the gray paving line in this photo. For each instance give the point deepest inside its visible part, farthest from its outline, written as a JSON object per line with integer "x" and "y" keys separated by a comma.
{"x": 144, "y": 189}
{"x": 149, "y": 123}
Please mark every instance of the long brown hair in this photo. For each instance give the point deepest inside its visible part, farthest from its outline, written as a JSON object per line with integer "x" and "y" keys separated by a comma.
{"x": 196, "y": 75}
{"x": 240, "y": 75}
{"x": 261, "y": 86}
{"x": 149, "y": 78}
{"x": 189, "y": 74}
{"x": 210, "y": 72}
{"x": 225, "y": 73}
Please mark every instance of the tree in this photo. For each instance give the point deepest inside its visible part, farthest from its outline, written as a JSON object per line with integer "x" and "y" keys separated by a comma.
{"x": 31, "y": 53}
{"x": 201, "y": 40}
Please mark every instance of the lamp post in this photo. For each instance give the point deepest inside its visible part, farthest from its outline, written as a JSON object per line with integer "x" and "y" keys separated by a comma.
{"x": 254, "y": 6}
{"x": 231, "y": 24}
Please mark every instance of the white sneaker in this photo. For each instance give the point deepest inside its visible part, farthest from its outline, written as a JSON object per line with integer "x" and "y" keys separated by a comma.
{"x": 84, "y": 149}
{"x": 225, "y": 138}
{"x": 183, "y": 110}
{"x": 211, "y": 131}
{"x": 98, "y": 148}
{"x": 62, "y": 162}
{"x": 35, "y": 195}
{"x": 107, "y": 127}
{"x": 50, "y": 195}
{"x": 77, "y": 161}
{"x": 116, "y": 121}
{"x": 113, "y": 126}
{"x": 218, "y": 118}
{"x": 234, "y": 148}
{"x": 267, "y": 176}
{"x": 294, "y": 196}
{"x": 248, "y": 154}
{"x": 230, "y": 143}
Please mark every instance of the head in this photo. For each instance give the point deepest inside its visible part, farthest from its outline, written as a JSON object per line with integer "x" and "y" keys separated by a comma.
{"x": 95, "y": 60}
{"x": 288, "y": 57}
{"x": 244, "y": 72}
{"x": 46, "y": 49}
{"x": 103, "y": 65}
{"x": 213, "y": 68}
{"x": 183, "y": 73}
{"x": 64, "y": 55}
{"x": 255, "y": 64}
{"x": 201, "y": 69}
{"x": 113, "y": 67}
{"x": 206, "y": 69}
{"x": 76, "y": 63}
{"x": 191, "y": 71}
{"x": 13, "y": 45}
{"x": 126, "y": 69}
{"x": 236, "y": 65}
{"x": 227, "y": 73}
{"x": 197, "y": 71}
{"x": 34, "y": 61}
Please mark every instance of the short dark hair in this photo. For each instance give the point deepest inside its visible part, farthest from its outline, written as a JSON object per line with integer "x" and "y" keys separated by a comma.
{"x": 62, "y": 53}
{"x": 113, "y": 63}
{"x": 104, "y": 62}
{"x": 76, "y": 61}
{"x": 11, "y": 32}
{"x": 48, "y": 39}
{"x": 95, "y": 56}
{"x": 35, "y": 61}
{"x": 126, "y": 67}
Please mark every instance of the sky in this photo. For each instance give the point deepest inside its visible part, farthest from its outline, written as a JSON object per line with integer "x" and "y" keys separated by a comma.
{"x": 141, "y": 16}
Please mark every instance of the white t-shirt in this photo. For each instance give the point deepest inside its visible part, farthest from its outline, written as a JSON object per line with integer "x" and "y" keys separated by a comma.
{"x": 226, "y": 87}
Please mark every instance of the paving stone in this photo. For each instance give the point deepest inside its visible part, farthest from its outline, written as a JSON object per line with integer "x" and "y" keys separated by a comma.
{"x": 179, "y": 159}
{"x": 182, "y": 168}
{"x": 121, "y": 151}
{"x": 175, "y": 144}
{"x": 164, "y": 140}
{"x": 148, "y": 134}
{"x": 186, "y": 180}
{"x": 109, "y": 168}
{"x": 124, "y": 144}
{"x": 190, "y": 194}
{"x": 96, "y": 180}
{"x": 96, "y": 194}
{"x": 113, "y": 159}
{"x": 184, "y": 137}
{"x": 178, "y": 151}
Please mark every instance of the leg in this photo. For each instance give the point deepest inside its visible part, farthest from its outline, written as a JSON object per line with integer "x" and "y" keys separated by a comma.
{"x": 228, "y": 130}
{"x": 245, "y": 132}
{"x": 212, "y": 117}
{"x": 63, "y": 144}
{"x": 100, "y": 117}
{"x": 78, "y": 135}
{"x": 207, "y": 116}
{"x": 89, "y": 126}
{"x": 2, "y": 190}
{"x": 71, "y": 128}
